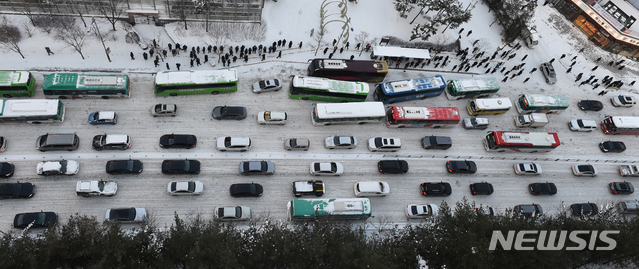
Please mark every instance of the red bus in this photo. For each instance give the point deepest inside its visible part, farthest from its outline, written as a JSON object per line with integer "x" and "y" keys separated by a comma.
{"x": 520, "y": 141}
{"x": 614, "y": 125}
{"x": 436, "y": 117}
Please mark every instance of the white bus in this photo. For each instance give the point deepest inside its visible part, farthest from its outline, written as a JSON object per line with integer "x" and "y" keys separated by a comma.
{"x": 344, "y": 113}
{"x": 32, "y": 111}
{"x": 471, "y": 88}
{"x": 489, "y": 106}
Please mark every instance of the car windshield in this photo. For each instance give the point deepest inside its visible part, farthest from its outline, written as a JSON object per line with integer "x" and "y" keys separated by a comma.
{"x": 378, "y": 142}
{"x": 122, "y": 214}
{"x": 585, "y": 168}
{"x": 101, "y": 185}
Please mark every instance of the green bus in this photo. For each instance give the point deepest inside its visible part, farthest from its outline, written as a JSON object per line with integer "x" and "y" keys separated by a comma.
{"x": 173, "y": 83}
{"x": 541, "y": 103}
{"x": 17, "y": 83}
{"x": 471, "y": 88}
{"x": 323, "y": 89}
{"x": 336, "y": 208}
{"x": 32, "y": 111}
{"x": 74, "y": 85}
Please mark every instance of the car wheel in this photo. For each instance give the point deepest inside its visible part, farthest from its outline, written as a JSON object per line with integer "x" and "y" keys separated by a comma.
{"x": 173, "y": 94}
{"x": 242, "y": 150}
{"x": 222, "y": 150}
{"x": 277, "y": 90}
{"x": 7, "y": 95}
{"x": 155, "y": 116}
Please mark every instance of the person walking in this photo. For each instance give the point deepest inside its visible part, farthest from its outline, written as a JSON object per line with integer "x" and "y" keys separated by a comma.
{"x": 263, "y": 57}
{"x": 526, "y": 80}
{"x": 49, "y": 52}
{"x": 191, "y": 62}
{"x": 598, "y": 59}
{"x": 569, "y": 69}
{"x": 461, "y": 31}
{"x": 551, "y": 60}
{"x": 290, "y": 44}
{"x": 177, "y": 65}
{"x": 562, "y": 56}
{"x": 132, "y": 56}
{"x": 300, "y": 45}
{"x": 206, "y": 58}
{"x": 197, "y": 61}
{"x": 156, "y": 63}
{"x": 145, "y": 56}
{"x": 334, "y": 41}
{"x": 279, "y": 55}
{"x": 245, "y": 58}
{"x": 325, "y": 50}
{"x": 573, "y": 58}
{"x": 602, "y": 92}
{"x": 164, "y": 53}
{"x": 353, "y": 57}
{"x": 167, "y": 66}
{"x": 594, "y": 68}
{"x": 469, "y": 32}
{"x": 330, "y": 56}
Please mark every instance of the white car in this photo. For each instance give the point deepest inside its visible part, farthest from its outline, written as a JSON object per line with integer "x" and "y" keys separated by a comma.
{"x": 623, "y": 100}
{"x": 227, "y": 143}
{"x": 272, "y": 117}
{"x": 371, "y": 188}
{"x": 340, "y": 142}
{"x": 96, "y": 188}
{"x": 584, "y": 170}
{"x": 327, "y": 169}
{"x": 176, "y": 188}
{"x": 228, "y": 213}
{"x": 164, "y": 110}
{"x": 475, "y": 123}
{"x": 64, "y": 167}
{"x": 267, "y": 85}
{"x": 527, "y": 169}
{"x": 582, "y": 125}
{"x": 421, "y": 211}
{"x": 390, "y": 144}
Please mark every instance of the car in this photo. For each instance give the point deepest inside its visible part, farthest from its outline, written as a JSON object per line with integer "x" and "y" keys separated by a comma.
{"x": 267, "y": 85}
{"x": 421, "y": 211}
{"x": 185, "y": 141}
{"x": 542, "y": 188}
{"x": 17, "y": 190}
{"x": 63, "y": 167}
{"x": 485, "y": 210}
{"x": 461, "y": 167}
{"x": 629, "y": 207}
{"x": 246, "y": 190}
{"x": 96, "y": 188}
{"x": 481, "y": 188}
{"x": 229, "y": 213}
{"x": 6, "y": 169}
{"x": 340, "y": 142}
{"x": 623, "y": 100}
{"x": 103, "y": 117}
{"x": 164, "y": 110}
{"x": 272, "y": 117}
{"x": 112, "y": 141}
{"x": 126, "y": 215}
{"x": 309, "y": 187}
{"x": 3, "y": 143}
{"x": 371, "y": 188}
{"x": 257, "y": 168}
{"x": 297, "y": 144}
{"x": 621, "y": 187}
{"x": 229, "y": 113}
{"x": 116, "y": 167}
{"x": 436, "y": 189}
{"x": 584, "y": 209}
{"x": 590, "y": 105}
{"x": 35, "y": 219}
{"x": 612, "y": 146}
{"x": 549, "y": 72}
{"x": 326, "y": 169}
{"x": 580, "y": 125}
{"x": 392, "y": 166}
{"x": 584, "y": 170}
{"x": 233, "y": 143}
{"x": 437, "y": 142}
{"x": 176, "y": 188}
{"x": 60, "y": 141}
{"x": 476, "y": 123}
{"x": 180, "y": 167}
{"x": 527, "y": 169}
{"x": 387, "y": 144}
{"x": 529, "y": 210}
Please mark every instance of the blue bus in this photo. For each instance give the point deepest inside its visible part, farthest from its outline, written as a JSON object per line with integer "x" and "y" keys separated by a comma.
{"x": 411, "y": 89}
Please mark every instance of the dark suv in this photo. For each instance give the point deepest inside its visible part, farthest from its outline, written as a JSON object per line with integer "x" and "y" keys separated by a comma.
{"x": 437, "y": 142}
{"x": 531, "y": 210}
{"x": 436, "y": 189}
{"x": 585, "y": 209}
{"x": 229, "y": 113}
{"x": 482, "y": 188}
{"x": 178, "y": 141}
{"x": 545, "y": 188}
{"x": 392, "y": 166}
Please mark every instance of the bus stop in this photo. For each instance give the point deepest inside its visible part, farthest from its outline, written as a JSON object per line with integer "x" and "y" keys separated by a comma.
{"x": 379, "y": 52}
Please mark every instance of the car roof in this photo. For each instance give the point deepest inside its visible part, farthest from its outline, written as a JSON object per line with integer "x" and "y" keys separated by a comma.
{"x": 116, "y": 139}
{"x": 240, "y": 140}
{"x": 277, "y": 114}
{"x": 369, "y": 186}
{"x": 106, "y": 115}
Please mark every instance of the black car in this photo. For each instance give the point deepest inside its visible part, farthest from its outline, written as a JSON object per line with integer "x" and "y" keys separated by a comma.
{"x": 621, "y": 187}
{"x": 436, "y": 189}
{"x": 39, "y": 219}
{"x": 178, "y": 141}
{"x": 124, "y": 167}
{"x": 531, "y": 210}
{"x": 246, "y": 190}
{"x": 592, "y": 105}
{"x": 545, "y": 188}
{"x": 612, "y": 146}
{"x": 180, "y": 167}
{"x": 229, "y": 113}
{"x": 481, "y": 188}
{"x": 6, "y": 169}
{"x": 16, "y": 190}
{"x": 585, "y": 209}
{"x": 437, "y": 142}
{"x": 392, "y": 166}
{"x": 461, "y": 167}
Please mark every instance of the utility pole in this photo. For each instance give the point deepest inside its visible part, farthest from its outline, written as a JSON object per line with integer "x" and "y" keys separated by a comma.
{"x": 101, "y": 40}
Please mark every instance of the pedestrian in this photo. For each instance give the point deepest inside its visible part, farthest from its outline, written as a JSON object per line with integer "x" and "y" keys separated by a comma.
{"x": 279, "y": 55}
{"x": 551, "y": 60}
{"x": 494, "y": 70}
{"x": 210, "y": 48}
{"x": 357, "y": 46}
{"x": 582, "y": 83}
{"x": 436, "y": 65}
{"x": 245, "y": 58}
{"x": 191, "y": 62}
{"x": 300, "y": 45}
{"x": 198, "y": 49}
{"x": 353, "y": 57}
{"x": 330, "y": 56}
{"x": 263, "y": 57}
{"x": 454, "y": 68}
{"x": 228, "y": 62}
{"x": 341, "y": 50}
{"x": 598, "y": 59}
{"x": 312, "y": 30}
{"x": 602, "y": 92}
{"x": 348, "y": 44}
{"x": 368, "y": 47}
{"x": 334, "y": 41}
{"x": 325, "y": 50}
{"x": 397, "y": 64}
{"x": 573, "y": 63}
{"x": 469, "y": 32}
{"x": 145, "y": 56}
{"x": 533, "y": 70}
{"x": 197, "y": 61}
{"x": 487, "y": 70}
{"x": 334, "y": 49}
{"x": 151, "y": 51}
{"x": 49, "y": 52}
{"x": 504, "y": 80}
{"x": 461, "y": 31}
{"x": 155, "y": 44}
{"x": 573, "y": 58}
{"x": 177, "y": 65}
{"x": 215, "y": 48}
{"x": 279, "y": 43}
{"x": 164, "y": 52}
{"x": 237, "y": 48}
{"x": 191, "y": 54}
{"x": 184, "y": 47}
{"x": 632, "y": 83}
{"x": 507, "y": 72}
{"x": 234, "y": 58}
{"x": 562, "y": 56}
{"x": 581, "y": 50}
{"x": 206, "y": 58}
{"x": 502, "y": 70}
{"x": 621, "y": 67}
{"x": 167, "y": 66}
{"x": 596, "y": 86}
{"x": 569, "y": 69}
{"x": 132, "y": 56}
{"x": 594, "y": 68}
{"x": 423, "y": 64}
{"x": 487, "y": 64}
{"x": 611, "y": 62}
{"x": 526, "y": 80}
{"x": 173, "y": 52}
{"x": 156, "y": 63}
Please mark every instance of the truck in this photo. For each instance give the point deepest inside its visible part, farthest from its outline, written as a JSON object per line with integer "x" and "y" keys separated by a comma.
{"x": 310, "y": 187}
{"x": 530, "y": 36}
{"x": 531, "y": 120}
{"x": 628, "y": 170}
{"x": 96, "y": 188}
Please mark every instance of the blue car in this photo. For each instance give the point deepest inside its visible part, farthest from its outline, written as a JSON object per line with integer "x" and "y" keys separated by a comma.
{"x": 103, "y": 117}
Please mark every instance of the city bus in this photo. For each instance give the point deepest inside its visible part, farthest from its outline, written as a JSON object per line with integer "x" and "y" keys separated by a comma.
{"x": 488, "y": 106}
{"x": 501, "y": 141}
{"x": 32, "y": 111}
{"x": 16, "y": 83}
{"x": 173, "y": 83}
{"x": 410, "y": 89}
{"x": 614, "y": 125}
{"x": 323, "y": 89}
{"x": 360, "y": 113}
{"x": 541, "y": 103}
{"x": 349, "y": 70}
{"x": 436, "y": 117}
{"x": 471, "y": 88}
{"x": 74, "y": 85}
{"x": 335, "y": 208}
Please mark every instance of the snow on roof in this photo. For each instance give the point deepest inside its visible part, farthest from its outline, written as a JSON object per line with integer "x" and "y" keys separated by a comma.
{"x": 195, "y": 77}
{"x": 12, "y": 77}
{"x": 116, "y": 139}
{"x": 401, "y": 52}
{"x": 106, "y": 115}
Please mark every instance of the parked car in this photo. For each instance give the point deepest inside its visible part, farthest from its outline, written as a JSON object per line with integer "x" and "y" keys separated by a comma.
{"x": 392, "y": 166}
{"x": 542, "y": 188}
{"x": 481, "y": 188}
{"x": 267, "y": 85}
{"x": 96, "y": 188}
{"x": 112, "y": 141}
{"x": 62, "y": 141}
{"x": 371, "y": 188}
{"x": 176, "y": 188}
{"x": 257, "y": 168}
{"x": 584, "y": 209}
{"x": 621, "y": 187}
{"x": 38, "y": 219}
{"x": 228, "y": 213}
{"x": 529, "y": 210}
{"x": 297, "y": 144}
{"x": 180, "y": 167}
{"x": 527, "y": 169}
{"x": 327, "y": 169}
{"x": 387, "y": 144}
{"x": 485, "y": 210}
{"x": 476, "y": 123}
{"x": 3, "y": 143}
{"x": 233, "y": 143}
{"x": 126, "y": 215}
{"x": 623, "y": 100}
{"x": 582, "y": 125}
{"x": 17, "y": 190}
{"x": 437, "y": 142}
{"x": 310, "y": 187}
{"x": 612, "y": 146}
{"x": 6, "y": 169}
{"x": 461, "y": 167}
{"x": 421, "y": 211}
{"x": 590, "y": 105}
{"x": 164, "y": 110}
{"x": 549, "y": 72}
{"x": 246, "y": 190}
{"x": 584, "y": 170}
{"x": 115, "y": 167}
{"x": 629, "y": 207}
{"x": 272, "y": 117}
{"x": 229, "y": 113}
{"x": 103, "y": 117}
{"x": 340, "y": 142}
{"x": 178, "y": 141}
{"x": 63, "y": 167}
{"x": 436, "y": 189}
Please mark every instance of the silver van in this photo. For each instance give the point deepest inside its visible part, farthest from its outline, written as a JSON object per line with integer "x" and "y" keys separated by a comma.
{"x": 629, "y": 207}
{"x": 581, "y": 125}
{"x": 58, "y": 142}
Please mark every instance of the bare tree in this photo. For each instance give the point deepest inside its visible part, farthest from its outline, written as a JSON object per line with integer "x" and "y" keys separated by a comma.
{"x": 78, "y": 9}
{"x": 111, "y": 10}
{"x": 361, "y": 39}
{"x": 27, "y": 28}
{"x": 10, "y": 36}
{"x": 44, "y": 22}
{"x": 27, "y": 11}
{"x": 72, "y": 34}
{"x": 182, "y": 9}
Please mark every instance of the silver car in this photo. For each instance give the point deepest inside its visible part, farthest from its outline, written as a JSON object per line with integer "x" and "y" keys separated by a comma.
{"x": 164, "y": 110}
{"x": 233, "y": 143}
{"x": 257, "y": 168}
{"x": 527, "y": 169}
{"x": 340, "y": 142}
{"x": 327, "y": 169}
{"x": 176, "y": 188}
{"x": 228, "y": 213}
{"x": 297, "y": 144}
{"x": 549, "y": 72}
{"x": 267, "y": 85}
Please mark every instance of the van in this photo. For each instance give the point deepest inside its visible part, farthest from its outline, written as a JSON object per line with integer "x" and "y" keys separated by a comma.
{"x": 58, "y": 142}
{"x": 629, "y": 207}
{"x": 582, "y": 125}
